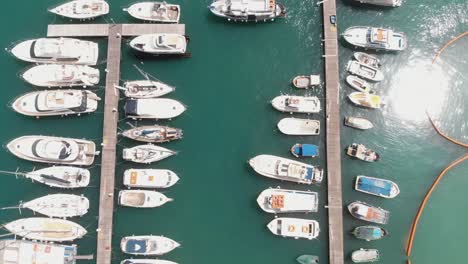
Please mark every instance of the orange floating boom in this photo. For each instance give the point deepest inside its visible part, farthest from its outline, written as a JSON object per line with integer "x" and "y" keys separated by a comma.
{"x": 445, "y": 136}
{"x": 448, "y": 44}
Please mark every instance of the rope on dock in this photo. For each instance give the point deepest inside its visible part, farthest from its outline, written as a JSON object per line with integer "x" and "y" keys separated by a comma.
{"x": 448, "y": 44}
{"x": 443, "y": 135}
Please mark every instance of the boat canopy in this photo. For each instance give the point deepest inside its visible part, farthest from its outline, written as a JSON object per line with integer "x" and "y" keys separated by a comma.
{"x": 375, "y": 186}
{"x": 306, "y": 150}
{"x": 55, "y": 149}
{"x": 379, "y": 35}
{"x": 136, "y": 246}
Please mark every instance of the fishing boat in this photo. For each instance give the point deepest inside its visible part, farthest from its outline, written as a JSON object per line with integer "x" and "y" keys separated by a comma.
{"x": 153, "y": 134}
{"x": 147, "y": 245}
{"x": 160, "y": 44}
{"x": 299, "y": 127}
{"x": 365, "y": 255}
{"x": 61, "y": 75}
{"x": 304, "y": 150}
{"x": 57, "y": 50}
{"x": 65, "y": 177}
{"x": 296, "y": 104}
{"x": 288, "y": 201}
{"x": 57, "y": 150}
{"x": 369, "y": 213}
{"x": 155, "y": 108}
{"x": 308, "y": 259}
{"x": 286, "y": 169}
{"x": 376, "y": 38}
{"x": 142, "y": 198}
{"x": 248, "y": 10}
{"x": 155, "y": 11}
{"x": 145, "y": 89}
{"x": 82, "y": 9}
{"x": 367, "y": 59}
{"x": 359, "y": 84}
{"x": 364, "y": 71}
{"x": 46, "y": 229}
{"x": 360, "y": 151}
{"x": 392, "y": 3}
{"x": 294, "y": 227}
{"x": 17, "y": 251}
{"x": 56, "y": 103}
{"x": 146, "y": 153}
{"x": 58, "y": 205}
{"x": 147, "y": 261}
{"x": 149, "y": 178}
{"x": 369, "y": 233}
{"x": 366, "y": 100}
{"x": 378, "y": 187}
{"x": 304, "y": 82}
{"x": 358, "y": 122}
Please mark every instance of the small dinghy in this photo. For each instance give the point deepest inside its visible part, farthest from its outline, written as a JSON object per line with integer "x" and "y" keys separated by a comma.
{"x": 365, "y": 71}
{"x": 304, "y": 150}
{"x": 366, "y": 100}
{"x": 288, "y": 201}
{"x": 360, "y": 151}
{"x": 46, "y": 229}
{"x": 365, "y": 255}
{"x": 65, "y": 177}
{"x": 299, "y": 127}
{"x": 82, "y": 9}
{"x": 359, "y": 84}
{"x": 146, "y": 153}
{"x": 358, "y": 122}
{"x": 294, "y": 227}
{"x": 146, "y": 261}
{"x": 367, "y": 59}
{"x": 57, "y": 150}
{"x": 376, "y": 38}
{"x": 142, "y": 198}
{"x": 378, "y": 187}
{"x": 58, "y": 205}
{"x": 369, "y": 233}
{"x": 305, "y": 82}
{"x": 20, "y": 251}
{"x": 296, "y": 104}
{"x": 153, "y": 134}
{"x": 61, "y": 75}
{"x": 149, "y": 178}
{"x": 56, "y": 103}
{"x": 308, "y": 259}
{"x": 286, "y": 169}
{"x": 160, "y": 44}
{"x": 369, "y": 213}
{"x": 155, "y": 108}
{"x": 57, "y": 50}
{"x": 248, "y": 10}
{"x": 147, "y": 245}
{"x": 145, "y": 89}
{"x": 155, "y": 12}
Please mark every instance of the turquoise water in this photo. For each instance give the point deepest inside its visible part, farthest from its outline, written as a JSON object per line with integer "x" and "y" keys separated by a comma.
{"x": 236, "y": 69}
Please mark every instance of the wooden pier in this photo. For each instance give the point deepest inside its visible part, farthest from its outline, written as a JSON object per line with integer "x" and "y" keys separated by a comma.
{"x": 114, "y": 33}
{"x": 333, "y": 123}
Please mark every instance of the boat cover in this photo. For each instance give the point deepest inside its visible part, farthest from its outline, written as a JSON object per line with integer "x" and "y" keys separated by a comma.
{"x": 131, "y": 107}
{"x": 307, "y": 150}
{"x": 375, "y": 186}
{"x": 136, "y": 246}
{"x": 371, "y": 233}
{"x": 277, "y": 201}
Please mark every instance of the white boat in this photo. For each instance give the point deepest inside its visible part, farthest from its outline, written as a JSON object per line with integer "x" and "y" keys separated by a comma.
{"x": 146, "y": 153}
{"x": 142, "y": 198}
{"x": 56, "y": 103}
{"x": 375, "y": 186}
{"x": 364, "y": 71}
{"x": 365, "y": 255}
{"x": 359, "y": 84}
{"x": 160, "y": 44}
{"x": 146, "y": 261}
{"x": 248, "y": 10}
{"x": 288, "y": 201}
{"x": 149, "y": 178}
{"x": 65, "y": 177}
{"x": 392, "y": 3}
{"x": 146, "y": 89}
{"x": 147, "y": 245}
{"x": 299, "y": 127}
{"x": 376, "y": 38}
{"x": 58, "y": 205}
{"x": 296, "y": 104}
{"x": 17, "y": 251}
{"x": 366, "y": 100}
{"x": 57, "y": 50}
{"x": 367, "y": 59}
{"x": 358, "y": 122}
{"x": 153, "y": 134}
{"x": 294, "y": 227}
{"x": 286, "y": 169}
{"x": 155, "y": 108}
{"x": 57, "y": 150}
{"x": 61, "y": 75}
{"x": 304, "y": 82}
{"x": 46, "y": 229}
{"x": 82, "y": 9}
{"x": 155, "y": 11}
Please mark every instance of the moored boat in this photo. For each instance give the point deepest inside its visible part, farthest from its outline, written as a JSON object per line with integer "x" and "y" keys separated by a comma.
{"x": 299, "y": 127}
{"x": 287, "y": 201}
{"x": 369, "y": 233}
{"x": 365, "y": 100}
{"x": 376, "y": 38}
{"x": 59, "y": 205}
{"x": 146, "y": 153}
{"x": 154, "y": 108}
{"x": 153, "y": 134}
{"x": 248, "y": 10}
{"x": 147, "y": 245}
{"x": 358, "y": 122}
{"x": 360, "y": 151}
{"x": 155, "y": 12}
{"x": 378, "y": 187}
{"x": 365, "y": 255}
{"x": 294, "y": 227}
{"x": 146, "y": 261}
{"x": 65, "y": 177}
{"x": 369, "y": 213}
{"x": 391, "y": 3}
{"x": 82, "y": 9}
{"x": 149, "y": 178}
{"x": 160, "y": 44}
{"x": 146, "y": 89}
{"x": 304, "y": 82}
{"x": 307, "y": 259}
{"x": 367, "y": 59}
{"x": 359, "y": 84}
{"x": 286, "y": 169}
{"x": 61, "y": 75}
{"x": 304, "y": 150}
{"x": 364, "y": 71}
{"x": 18, "y": 251}
{"x": 142, "y": 198}
{"x": 296, "y": 104}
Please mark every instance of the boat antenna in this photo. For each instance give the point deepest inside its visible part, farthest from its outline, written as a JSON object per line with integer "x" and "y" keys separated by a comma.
{"x": 145, "y": 74}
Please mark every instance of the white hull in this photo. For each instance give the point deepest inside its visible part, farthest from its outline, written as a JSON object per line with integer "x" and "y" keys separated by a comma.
{"x": 155, "y": 245}
{"x": 156, "y": 108}
{"x": 294, "y": 227}
{"x": 247, "y": 10}
{"x": 364, "y": 71}
{"x": 146, "y": 153}
{"x": 149, "y": 178}
{"x": 61, "y": 177}
{"x": 160, "y": 44}
{"x": 299, "y": 127}
{"x": 365, "y": 255}
{"x": 288, "y": 201}
{"x": 153, "y": 134}
{"x": 359, "y": 123}
{"x": 392, "y": 3}
{"x": 375, "y": 38}
{"x": 18, "y": 251}
{"x": 296, "y": 104}
{"x": 155, "y": 12}
{"x": 82, "y": 9}
{"x": 61, "y": 75}
{"x": 358, "y": 84}
{"x": 142, "y": 198}
{"x": 59, "y": 205}
{"x": 146, "y": 89}
{"x": 147, "y": 261}
{"x": 367, "y": 59}
{"x": 365, "y": 100}
{"x": 395, "y": 190}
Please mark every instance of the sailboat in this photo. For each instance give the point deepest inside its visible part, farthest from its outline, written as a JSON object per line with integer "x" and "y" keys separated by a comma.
{"x": 82, "y": 9}
{"x": 161, "y": 12}
{"x": 146, "y": 153}
{"x": 57, "y": 205}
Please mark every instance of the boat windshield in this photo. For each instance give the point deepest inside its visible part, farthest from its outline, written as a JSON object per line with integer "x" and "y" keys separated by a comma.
{"x": 53, "y": 149}
{"x": 379, "y": 35}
